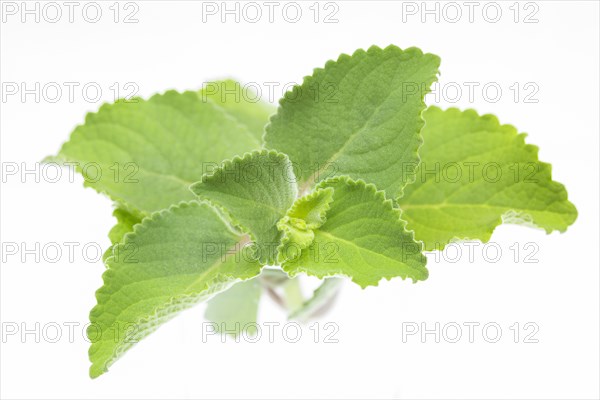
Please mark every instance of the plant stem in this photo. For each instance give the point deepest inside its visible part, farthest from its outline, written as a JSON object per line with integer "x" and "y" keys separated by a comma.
{"x": 293, "y": 295}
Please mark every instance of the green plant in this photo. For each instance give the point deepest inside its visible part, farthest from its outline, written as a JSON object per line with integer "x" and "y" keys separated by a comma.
{"x": 338, "y": 183}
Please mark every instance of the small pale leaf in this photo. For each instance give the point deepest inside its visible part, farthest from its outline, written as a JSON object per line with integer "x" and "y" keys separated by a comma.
{"x": 235, "y": 310}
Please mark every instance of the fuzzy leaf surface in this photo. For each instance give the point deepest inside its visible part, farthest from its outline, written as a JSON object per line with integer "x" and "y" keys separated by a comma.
{"x": 171, "y": 261}
{"x": 144, "y": 154}
{"x": 363, "y": 238}
{"x": 358, "y": 116}
{"x": 298, "y": 225}
{"x": 256, "y": 190}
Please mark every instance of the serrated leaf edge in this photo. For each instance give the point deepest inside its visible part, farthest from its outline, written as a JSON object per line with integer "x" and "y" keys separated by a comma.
{"x": 344, "y": 57}
{"x": 530, "y": 148}
{"x": 230, "y": 218}
{"x": 106, "y": 107}
{"x": 285, "y": 237}
{"x": 148, "y": 324}
{"x": 388, "y": 203}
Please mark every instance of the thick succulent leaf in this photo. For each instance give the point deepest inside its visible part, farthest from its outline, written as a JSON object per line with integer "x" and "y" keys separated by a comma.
{"x": 242, "y": 102}
{"x": 320, "y": 299}
{"x": 359, "y": 116}
{"x": 475, "y": 174}
{"x": 363, "y": 238}
{"x": 144, "y": 154}
{"x": 171, "y": 261}
{"x": 235, "y": 310}
{"x": 256, "y": 190}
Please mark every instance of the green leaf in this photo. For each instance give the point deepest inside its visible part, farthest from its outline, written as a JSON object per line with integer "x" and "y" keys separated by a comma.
{"x": 299, "y": 223}
{"x": 363, "y": 238}
{"x": 359, "y": 116}
{"x": 476, "y": 174}
{"x": 125, "y": 223}
{"x": 256, "y": 191}
{"x": 312, "y": 208}
{"x": 242, "y": 102}
{"x": 171, "y": 261}
{"x": 145, "y": 153}
{"x": 236, "y": 309}
{"x": 320, "y": 299}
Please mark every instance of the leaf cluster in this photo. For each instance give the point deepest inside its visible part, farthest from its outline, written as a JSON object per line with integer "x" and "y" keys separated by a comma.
{"x": 231, "y": 197}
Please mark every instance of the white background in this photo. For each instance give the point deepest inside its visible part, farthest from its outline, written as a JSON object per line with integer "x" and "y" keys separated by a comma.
{"x": 170, "y": 47}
